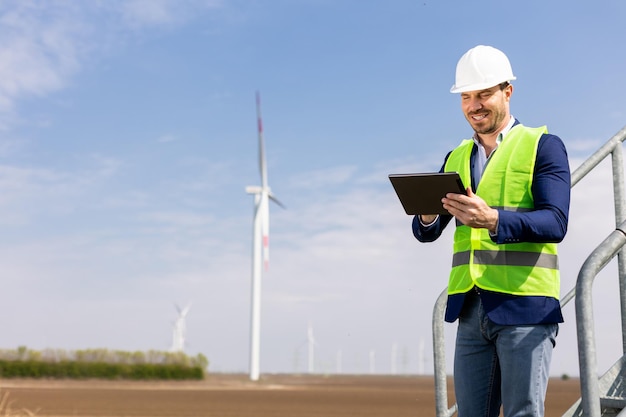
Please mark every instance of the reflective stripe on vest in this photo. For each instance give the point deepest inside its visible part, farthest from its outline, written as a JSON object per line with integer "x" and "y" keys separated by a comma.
{"x": 513, "y": 258}
{"x": 513, "y": 268}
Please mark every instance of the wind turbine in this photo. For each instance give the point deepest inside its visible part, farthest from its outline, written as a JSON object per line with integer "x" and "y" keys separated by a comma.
{"x": 421, "y": 359}
{"x": 311, "y": 348}
{"x": 180, "y": 329}
{"x": 260, "y": 246}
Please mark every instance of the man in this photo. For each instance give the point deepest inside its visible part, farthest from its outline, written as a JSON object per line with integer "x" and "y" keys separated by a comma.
{"x": 504, "y": 283}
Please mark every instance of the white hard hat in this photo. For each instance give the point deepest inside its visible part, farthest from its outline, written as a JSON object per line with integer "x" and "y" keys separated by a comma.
{"x": 481, "y": 67}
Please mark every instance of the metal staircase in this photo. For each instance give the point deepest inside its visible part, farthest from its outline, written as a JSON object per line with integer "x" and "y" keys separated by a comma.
{"x": 604, "y": 396}
{"x": 611, "y": 394}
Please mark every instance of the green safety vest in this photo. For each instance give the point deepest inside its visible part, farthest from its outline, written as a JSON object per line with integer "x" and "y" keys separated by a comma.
{"x": 513, "y": 268}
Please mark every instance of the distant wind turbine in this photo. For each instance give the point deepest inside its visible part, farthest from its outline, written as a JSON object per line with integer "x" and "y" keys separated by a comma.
{"x": 260, "y": 246}
{"x": 311, "y": 348}
{"x": 421, "y": 358}
{"x": 180, "y": 329}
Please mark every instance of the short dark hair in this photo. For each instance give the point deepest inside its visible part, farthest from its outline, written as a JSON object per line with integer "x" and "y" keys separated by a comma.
{"x": 504, "y": 85}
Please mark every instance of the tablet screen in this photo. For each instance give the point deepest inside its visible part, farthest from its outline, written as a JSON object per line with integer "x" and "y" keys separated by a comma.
{"x": 422, "y": 193}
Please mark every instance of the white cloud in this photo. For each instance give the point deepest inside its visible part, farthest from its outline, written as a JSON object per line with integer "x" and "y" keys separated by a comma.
{"x": 28, "y": 191}
{"x": 322, "y": 178}
{"x": 46, "y": 43}
{"x": 178, "y": 219}
{"x": 161, "y": 12}
{"x": 41, "y": 48}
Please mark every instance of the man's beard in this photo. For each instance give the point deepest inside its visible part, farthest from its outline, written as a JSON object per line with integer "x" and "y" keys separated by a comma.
{"x": 493, "y": 123}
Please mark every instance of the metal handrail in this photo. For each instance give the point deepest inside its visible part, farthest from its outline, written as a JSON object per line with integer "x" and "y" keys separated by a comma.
{"x": 584, "y": 318}
{"x": 589, "y": 388}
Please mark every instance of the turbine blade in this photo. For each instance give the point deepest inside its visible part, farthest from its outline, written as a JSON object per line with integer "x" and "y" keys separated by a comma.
{"x": 265, "y": 231}
{"x": 263, "y": 192}
{"x": 185, "y": 310}
{"x": 262, "y": 165}
{"x": 275, "y": 200}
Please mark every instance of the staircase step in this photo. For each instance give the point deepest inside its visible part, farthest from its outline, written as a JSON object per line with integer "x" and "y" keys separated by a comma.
{"x": 613, "y": 402}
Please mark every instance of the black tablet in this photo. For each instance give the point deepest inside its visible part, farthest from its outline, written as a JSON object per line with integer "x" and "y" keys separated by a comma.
{"x": 422, "y": 193}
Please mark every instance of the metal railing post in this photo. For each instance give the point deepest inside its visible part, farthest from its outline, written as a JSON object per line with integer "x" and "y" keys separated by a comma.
{"x": 620, "y": 216}
{"x": 439, "y": 358}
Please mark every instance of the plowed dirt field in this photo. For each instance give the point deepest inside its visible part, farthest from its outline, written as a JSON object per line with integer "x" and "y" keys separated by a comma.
{"x": 236, "y": 396}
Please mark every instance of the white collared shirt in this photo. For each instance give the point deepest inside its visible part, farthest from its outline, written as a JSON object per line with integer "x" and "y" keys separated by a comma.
{"x": 481, "y": 155}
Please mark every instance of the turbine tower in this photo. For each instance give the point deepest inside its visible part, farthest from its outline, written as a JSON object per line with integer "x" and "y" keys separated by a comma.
{"x": 311, "y": 348}
{"x": 421, "y": 359}
{"x": 260, "y": 246}
{"x": 180, "y": 329}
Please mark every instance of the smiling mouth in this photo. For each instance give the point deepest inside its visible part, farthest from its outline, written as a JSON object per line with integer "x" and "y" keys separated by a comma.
{"x": 478, "y": 117}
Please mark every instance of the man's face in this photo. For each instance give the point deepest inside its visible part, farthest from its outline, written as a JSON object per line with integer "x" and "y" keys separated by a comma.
{"x": 487, "y": 111}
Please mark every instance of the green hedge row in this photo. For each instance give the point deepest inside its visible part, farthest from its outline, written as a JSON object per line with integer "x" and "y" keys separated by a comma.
{"x": 101, "y": 370}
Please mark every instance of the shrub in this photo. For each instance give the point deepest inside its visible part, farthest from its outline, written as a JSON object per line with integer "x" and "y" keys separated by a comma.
{"x": 102, "y": 364}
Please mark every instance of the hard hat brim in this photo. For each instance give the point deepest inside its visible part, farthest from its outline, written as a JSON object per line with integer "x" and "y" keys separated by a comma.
{"x": 478, "y": 86}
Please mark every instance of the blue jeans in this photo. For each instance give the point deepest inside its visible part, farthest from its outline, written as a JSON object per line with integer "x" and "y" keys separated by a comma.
{"x": 498, "y": 365}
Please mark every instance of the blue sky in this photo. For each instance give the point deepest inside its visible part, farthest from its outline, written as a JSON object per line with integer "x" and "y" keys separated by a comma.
{"x": 128, "y": 135}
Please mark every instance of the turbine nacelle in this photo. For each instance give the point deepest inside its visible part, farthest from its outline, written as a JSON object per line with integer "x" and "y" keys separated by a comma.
{"x": 259, "y": 189}
{"x": 254, "y": 189}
